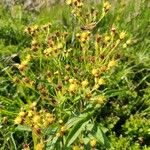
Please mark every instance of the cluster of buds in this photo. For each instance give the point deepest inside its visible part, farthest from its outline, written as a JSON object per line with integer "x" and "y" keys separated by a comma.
{"x": 91, "y": 15}
{"x": 111, "y": 64}
{"x": 99, "y": 82}
{"x": 98, "y": 39}
{"x": 33, "y": 30}
{"x": 83, "y": 37}
{"x": 40, "y": 146}
{"x": 76, "y": 147}
{"x": 95, "y": 72}
{"x": 76, "y": 6}
{"x": 27, "y": 81}
{"x": 122, "y": 35}
{"x": 128, "y": 42}
{"x": 84, "y": 83}
{"x": 37, "y": 120}
{"x": 22, "y": 66}
{"x": 113, "y": 31}
{"x": 106, "y": 6}
{"x": 93, "y": 143}
{"x": 55, "y": 44}
{"x": 73, "y": 86}
{"x": 107, "y": 39}
{"x": 24, "y": 63}
{"x": 62, "y": 129}
{"x": 34, "y": 45}
{"x": 42, "y": 90}
{"x": 54, "y": 50}
{"x": 101, "y": 99}
{"x": 46, "y": 26}
{"x": 76, "y": 3}
{"x": 50, "y": 41}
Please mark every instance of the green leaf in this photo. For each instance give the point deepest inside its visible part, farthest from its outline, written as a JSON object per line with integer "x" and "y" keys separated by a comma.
{"x": 101, "y": 137}
{"x": 55, "y": 142}
{"x": 77, "y": 129}
{"x": 74, "y": 120}
{"x": 23, "y": 128}
{"x": 75, "y": 132}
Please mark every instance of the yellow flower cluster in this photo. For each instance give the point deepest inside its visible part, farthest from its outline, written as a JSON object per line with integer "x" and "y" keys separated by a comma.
{"x": 93, "y": 143}
{"x": 34, "y": 30}
{"x": 83, "y": 37}
{"x": 106, "y": 6}
{"x": 37, "y": 120}
{"x": 76, "y": 6}
{"x": 73, "y": 85}
{"x": 55, "y": 44}
{"x": 24, "y": 63}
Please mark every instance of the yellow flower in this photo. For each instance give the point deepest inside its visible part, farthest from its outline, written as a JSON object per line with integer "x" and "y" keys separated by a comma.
{"x": 68, "y": 2}
{"x": 33, "y": 104}
{"x": 58, "y": 134}
{"x": 18, "y": 120}
{"x": 36, "y": 119}
{"x": 88, "y": 95}
{"x": 106, "y": 39}
{"x": 78, "y": 35}
{"x": 50, "y": 120}
{"x": 103, "y": 68}
{"x": 125, "y": 45}
{"x": 72, "y": 81}
{"x": 39, "y": 146}
{"x": 101, "y": 99}
{"x": 75, "y": 148}
{"x": 23, "y": 65}
{"x": 95, "y": 72}
{"x": 30, "y": 113}
{"x": 60, "y": 121}
{"x": 63, "y": 129}
{"x": 48, "y": 115}
{"x": 34, "y": 42}
{"x": 60, "y": 46}
{"x": 56, "y": 73}
{"x": 85, "y": 34}
{"x": 93, "y": 143}
{"x": 112, "y": 63}
{"x": 85, "y": 83}
{"x": 72, "y": 87}
{"x": 107, "y": 6}
{"x": 128, "y": 42}
{"x": 101, "y": 81}
{"x": 22, "y": 114}
{"x": 122, "y": 35}
{"x": 28, "y": 57}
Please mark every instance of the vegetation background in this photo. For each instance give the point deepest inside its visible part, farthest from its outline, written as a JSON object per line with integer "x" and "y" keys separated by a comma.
{"x": 123, "y": 121}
